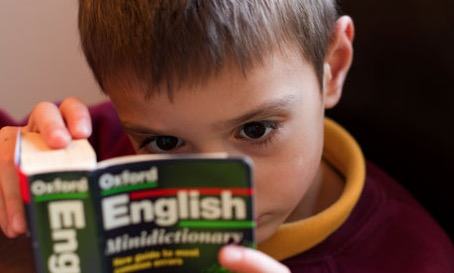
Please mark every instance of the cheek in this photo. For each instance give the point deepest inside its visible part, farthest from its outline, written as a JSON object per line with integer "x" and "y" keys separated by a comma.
{"x": 283, "y": 178}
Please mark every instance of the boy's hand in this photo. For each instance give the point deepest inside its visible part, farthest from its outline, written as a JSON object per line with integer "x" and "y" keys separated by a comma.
{"x": 58, "y": 125}
{"x": 245, "y": 260}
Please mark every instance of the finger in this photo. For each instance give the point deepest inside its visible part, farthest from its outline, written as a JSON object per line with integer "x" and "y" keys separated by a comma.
{"x": 246, "y": 260}
{"x": 3, "y": 213}
{"x": 11, "y": 208}
{"x": 77, "y": 117}
{"x": 6, "y": 140}
{"x": 47, "y": 120}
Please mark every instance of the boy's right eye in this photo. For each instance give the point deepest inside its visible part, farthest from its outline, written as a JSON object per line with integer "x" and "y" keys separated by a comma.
{"x": 161, "y": 144}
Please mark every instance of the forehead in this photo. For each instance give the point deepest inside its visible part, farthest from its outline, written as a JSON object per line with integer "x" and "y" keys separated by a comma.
{"x": 282, "y": 74}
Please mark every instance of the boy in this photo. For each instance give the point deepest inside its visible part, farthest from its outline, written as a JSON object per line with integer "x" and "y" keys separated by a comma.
{"x": 254, "y": 78}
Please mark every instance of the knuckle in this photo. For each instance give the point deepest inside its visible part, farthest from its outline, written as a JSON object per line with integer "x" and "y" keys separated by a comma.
{"x": 69, "y": 101}
{"x": 41, "y": 110}
{"x": 42, "y": 106}
{"x": 73, "y": 99}
{"x": 74, "y": 111}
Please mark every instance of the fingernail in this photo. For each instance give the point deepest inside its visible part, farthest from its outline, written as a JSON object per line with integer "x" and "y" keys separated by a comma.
{"x": 18, "y": 224}
{"x": 83, "y": 129}
{"x": 232, "y": 254}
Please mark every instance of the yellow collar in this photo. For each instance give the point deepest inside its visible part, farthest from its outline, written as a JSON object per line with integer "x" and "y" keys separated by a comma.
{"x": 342, "y": 151}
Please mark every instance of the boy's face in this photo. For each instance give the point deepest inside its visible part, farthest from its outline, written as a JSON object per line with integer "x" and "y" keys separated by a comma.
{"x": 274, "y": 116}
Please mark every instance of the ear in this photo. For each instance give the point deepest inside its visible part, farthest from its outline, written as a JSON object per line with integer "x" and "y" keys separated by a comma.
{"x": 338, "y": 60}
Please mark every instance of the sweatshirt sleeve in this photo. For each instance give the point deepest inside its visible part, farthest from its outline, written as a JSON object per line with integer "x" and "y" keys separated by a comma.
{"x": 6, "y": 120}
{"x": 108, "y": 138}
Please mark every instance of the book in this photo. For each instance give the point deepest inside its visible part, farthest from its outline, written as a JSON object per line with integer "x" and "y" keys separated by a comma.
{"x": 139, "y": 213}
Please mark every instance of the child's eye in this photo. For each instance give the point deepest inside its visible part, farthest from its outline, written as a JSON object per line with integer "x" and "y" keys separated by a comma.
{"x": 160, "y": 144}
{"x": 257, "y": 130}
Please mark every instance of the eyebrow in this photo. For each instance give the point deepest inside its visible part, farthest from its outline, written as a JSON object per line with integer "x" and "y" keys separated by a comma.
{"x": 265, "y": 110}
{"x": 140, "y": 130}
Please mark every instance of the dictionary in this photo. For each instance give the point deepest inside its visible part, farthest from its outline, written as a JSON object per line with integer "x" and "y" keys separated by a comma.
{"x": 139, "y": 213}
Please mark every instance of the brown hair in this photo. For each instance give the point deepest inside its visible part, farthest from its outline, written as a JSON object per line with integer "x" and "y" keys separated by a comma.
{"x": 172, "y": 42}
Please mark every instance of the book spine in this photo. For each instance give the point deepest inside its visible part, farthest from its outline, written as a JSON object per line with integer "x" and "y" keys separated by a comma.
{"x": 61, "y": 220}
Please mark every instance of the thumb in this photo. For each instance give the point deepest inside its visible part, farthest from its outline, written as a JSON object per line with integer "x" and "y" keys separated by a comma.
{"x": 246, "y": 260}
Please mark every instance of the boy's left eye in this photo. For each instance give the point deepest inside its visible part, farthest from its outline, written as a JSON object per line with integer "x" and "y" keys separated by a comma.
{"x": 257, "y": 130}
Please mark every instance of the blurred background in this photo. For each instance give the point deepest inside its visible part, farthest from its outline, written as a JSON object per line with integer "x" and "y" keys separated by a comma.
{"x": 398, "y": 99}
{"x": 40, "y": 56}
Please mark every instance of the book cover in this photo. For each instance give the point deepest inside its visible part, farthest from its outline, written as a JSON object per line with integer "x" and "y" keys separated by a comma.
{"x": 143, "y": 213}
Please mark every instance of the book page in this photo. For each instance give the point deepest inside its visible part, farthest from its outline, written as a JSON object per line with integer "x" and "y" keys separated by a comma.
{"x": 37, "y": 157}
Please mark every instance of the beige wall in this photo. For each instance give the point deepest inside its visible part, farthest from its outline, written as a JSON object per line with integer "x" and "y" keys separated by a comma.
{"x": 40, "y": 56}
